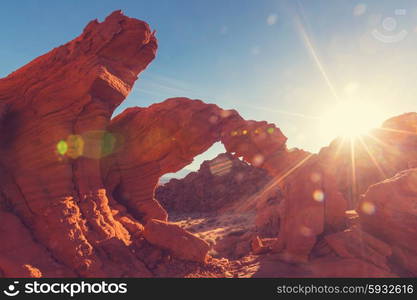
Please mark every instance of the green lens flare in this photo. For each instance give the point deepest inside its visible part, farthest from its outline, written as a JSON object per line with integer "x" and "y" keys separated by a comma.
{"x": 62, "y": 147}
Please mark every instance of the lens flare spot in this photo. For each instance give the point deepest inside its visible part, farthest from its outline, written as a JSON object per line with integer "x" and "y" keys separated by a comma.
{"x": 75, "y": 146}
{"x": 368, "y": 208}
{"x": 213, "y": 119}
{"x": 318, "y": 195}
{"x": 258, "y": 159}
{"x": 271, "y": 19}
{"x": 108, "y": 144}
{"x": 306, "y": 231}
{"x": 315, "y": 177}
{"x": 62, "y": 147}
{"x": 256, "y": 50}
{"x": 239, "y": 177}
{"x": 359, "y": 10}
{"x": 351, "y": 88}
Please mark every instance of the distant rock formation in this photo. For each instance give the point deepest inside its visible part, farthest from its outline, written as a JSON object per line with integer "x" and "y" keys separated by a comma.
{"x": 218, "y": 184}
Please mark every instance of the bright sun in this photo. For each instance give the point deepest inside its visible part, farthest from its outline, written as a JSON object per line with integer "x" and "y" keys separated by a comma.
{"x": 350, "y": 119}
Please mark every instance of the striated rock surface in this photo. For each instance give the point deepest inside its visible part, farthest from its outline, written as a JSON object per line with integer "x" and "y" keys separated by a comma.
{"x": 388, "y": 211}
{"x": 354, "y": 243}
{"x": 346, "y": 267}
{"x": 21, "y": 256}
{"x": 55, "y": 111}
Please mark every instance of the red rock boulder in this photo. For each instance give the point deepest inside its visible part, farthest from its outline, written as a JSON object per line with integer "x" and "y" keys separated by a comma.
{"x": 355, "y": 243}
{"x": 181, "y": 243}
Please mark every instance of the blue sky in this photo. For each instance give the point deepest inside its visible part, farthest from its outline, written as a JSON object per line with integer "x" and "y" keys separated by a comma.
{"x": 281, "y": 61}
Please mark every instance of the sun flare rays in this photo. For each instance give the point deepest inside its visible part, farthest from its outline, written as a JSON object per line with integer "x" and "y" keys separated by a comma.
{"x": 372, "y": 157}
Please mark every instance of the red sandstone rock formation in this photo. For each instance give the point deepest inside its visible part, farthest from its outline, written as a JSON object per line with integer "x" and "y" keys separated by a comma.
{"x": 22, "y": 256}
{"x": 153, "y": 141}
{"x": 388, "y": 210}
{"x": 218, "y": 184}
{"x": 54, "y": 115}
{"x": 306, "y": 180}
{"x": 313, "y": 203}
{"x": 55, "y": 175}
{"x": 77, "y": 188}
{"x": 183, "y": 244}
{"x": 355, "y": 243}
{"x": 312, "y": 185}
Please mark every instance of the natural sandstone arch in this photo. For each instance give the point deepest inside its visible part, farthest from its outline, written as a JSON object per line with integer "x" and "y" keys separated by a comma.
{"x": 153, "y": 141}
{"x": 55, "y": 114}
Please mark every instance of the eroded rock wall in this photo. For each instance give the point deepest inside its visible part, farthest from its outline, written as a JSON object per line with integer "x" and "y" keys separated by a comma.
{"x": 55, "y": 111}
